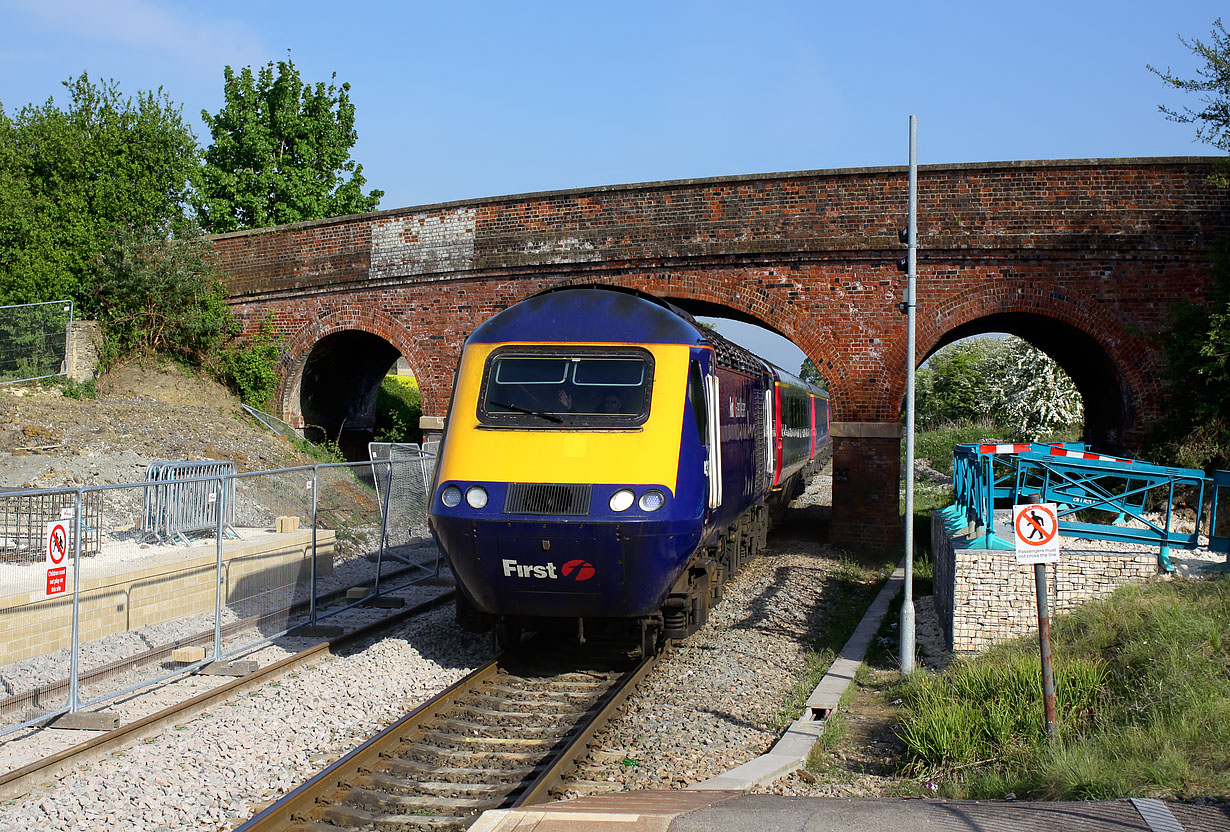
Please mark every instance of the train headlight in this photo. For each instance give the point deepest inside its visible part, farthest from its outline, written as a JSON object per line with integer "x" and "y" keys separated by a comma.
{"x": 652, "y": 500}
{"x": 622, "y": 499}
{"x": 451, "y": 496}
{"x": 476, "y": 496}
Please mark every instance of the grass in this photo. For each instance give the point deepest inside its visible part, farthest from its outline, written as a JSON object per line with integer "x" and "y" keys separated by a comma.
{"x": 1143, "y": 690}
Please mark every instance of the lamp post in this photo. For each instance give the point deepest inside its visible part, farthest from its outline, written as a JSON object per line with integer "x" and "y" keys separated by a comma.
{"x": 907, "y": 605}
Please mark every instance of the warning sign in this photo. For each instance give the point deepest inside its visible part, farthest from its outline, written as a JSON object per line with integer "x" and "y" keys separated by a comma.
{"x": 57, "y": 555}
{"x": 1036, "y": 528}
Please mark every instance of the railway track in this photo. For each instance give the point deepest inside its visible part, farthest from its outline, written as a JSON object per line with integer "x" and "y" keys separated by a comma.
{"x": 49, "y": 768}
{"x": 504, "y": 736}
{"x": 52, "y": 691}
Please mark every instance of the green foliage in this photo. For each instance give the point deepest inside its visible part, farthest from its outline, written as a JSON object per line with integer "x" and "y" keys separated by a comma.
{"x": 159, "y": 293}
{"x": 1195, "y": 429}
{"x": 1143, "y": 682}
{"x": 1003, "y": 381}
{"x": 1212, "y": 117}
{"x": 251, "y": 367}
{"x": 398, "y": 408}
{"x": 70, "y": 177}
{"x": 809, "y": 373}
{"x": 280, "y": 153}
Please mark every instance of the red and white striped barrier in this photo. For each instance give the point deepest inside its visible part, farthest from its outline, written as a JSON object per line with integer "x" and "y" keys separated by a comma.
{"x": 1083, "y": 455}
{"x": 1004, "y": 449}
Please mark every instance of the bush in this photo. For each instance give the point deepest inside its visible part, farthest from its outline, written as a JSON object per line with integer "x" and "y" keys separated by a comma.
{"x": 159, "y": 293}
{"x": 251, "y": 368}
{"x": 398, "y": 408}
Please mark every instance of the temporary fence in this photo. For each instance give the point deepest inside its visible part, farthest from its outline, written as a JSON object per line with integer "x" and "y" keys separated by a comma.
{"x": 1099, "y": 497}
{"x": 185, "y": 501}
{"x": 288, "y": 549}
{"x": 34, "y": 340}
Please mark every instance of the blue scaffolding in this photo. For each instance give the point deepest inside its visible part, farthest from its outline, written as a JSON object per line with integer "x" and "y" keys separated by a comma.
{"x": 1099, "y": 497}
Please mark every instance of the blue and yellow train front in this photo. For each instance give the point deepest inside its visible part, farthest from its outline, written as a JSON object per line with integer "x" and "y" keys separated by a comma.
{"x": 567, "y": 485}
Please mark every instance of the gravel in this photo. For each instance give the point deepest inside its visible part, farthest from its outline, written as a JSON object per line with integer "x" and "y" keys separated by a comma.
{"x": 211, "y": 771}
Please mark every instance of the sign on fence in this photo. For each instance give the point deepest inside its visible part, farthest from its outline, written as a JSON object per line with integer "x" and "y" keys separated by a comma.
{"x": 1036, "y": 529}
{"x": 57, "y": 557}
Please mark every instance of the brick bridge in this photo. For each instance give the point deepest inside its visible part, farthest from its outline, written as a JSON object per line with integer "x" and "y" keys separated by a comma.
{"x": 1081, "y": 258}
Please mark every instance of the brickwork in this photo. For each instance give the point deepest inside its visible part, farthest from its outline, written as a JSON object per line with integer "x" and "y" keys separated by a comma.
{"x": 163, "y": 588}
{"x": 983, "y": 597}
{"x": 1082, "y": 256}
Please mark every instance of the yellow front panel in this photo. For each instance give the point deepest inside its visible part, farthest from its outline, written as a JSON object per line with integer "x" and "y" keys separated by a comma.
{"x": 647, "y": 454}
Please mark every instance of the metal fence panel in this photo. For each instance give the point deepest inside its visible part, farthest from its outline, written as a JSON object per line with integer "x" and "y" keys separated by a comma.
{"x": 406, "y": 472}
{"x": 34, "y": 340}
{"x": 35, "y": 627}
{"x": 182, "y": 502}
{"x": 143, "y": 598}
{"x": 267, "y": 576}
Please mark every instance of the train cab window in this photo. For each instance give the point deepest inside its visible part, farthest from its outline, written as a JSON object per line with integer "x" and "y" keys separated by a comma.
{"x": 600, "y": 388}
{"x": 696, "y": 397}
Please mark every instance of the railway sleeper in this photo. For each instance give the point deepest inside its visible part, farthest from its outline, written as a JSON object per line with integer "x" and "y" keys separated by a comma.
{"x": 474, "y": 730}
{"x": 510, "y": 759}
{"x": 358, "y": 818}
{"x": 516, "y": 719}
{"x": 407, "y": 767}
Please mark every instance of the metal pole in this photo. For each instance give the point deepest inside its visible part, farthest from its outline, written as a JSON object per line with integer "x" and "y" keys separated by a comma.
{"x": 313, "y": 484}
{"x": 384, "y": 522}
{"x": 907, "y": 606}
{"x": 218, "y": 588}
{"x": 1044, "y": 640}
{"x": 73, "y": 691}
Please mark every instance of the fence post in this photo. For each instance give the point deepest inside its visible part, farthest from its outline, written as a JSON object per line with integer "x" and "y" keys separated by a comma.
{"x": 384, "y": 523}
{"x": 315, "y": 486}
{"x": 218, "y": 587}
{"x": 75, "y": 645}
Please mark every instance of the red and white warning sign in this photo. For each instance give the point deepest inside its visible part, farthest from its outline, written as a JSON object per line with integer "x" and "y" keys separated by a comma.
{"x": 57, "y": 557}
{"x": 1036, "y": 528}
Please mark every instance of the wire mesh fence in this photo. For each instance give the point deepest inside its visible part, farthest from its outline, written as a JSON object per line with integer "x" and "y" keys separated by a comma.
{"x": 34, "y": 340}
{"x": 285, "y": 548}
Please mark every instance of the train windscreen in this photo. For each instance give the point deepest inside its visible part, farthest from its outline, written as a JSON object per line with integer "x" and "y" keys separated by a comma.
{"x": 575, "y": 388}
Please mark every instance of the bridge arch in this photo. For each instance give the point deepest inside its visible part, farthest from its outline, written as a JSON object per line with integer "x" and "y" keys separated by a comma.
{"x": 1081, "y": 257}
{"x": 333, "y": 366}
{"x": 1114, "y": 385}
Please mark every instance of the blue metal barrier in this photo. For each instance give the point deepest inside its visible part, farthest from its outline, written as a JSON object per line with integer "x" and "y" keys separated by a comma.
{"x": 1083, "y": 483}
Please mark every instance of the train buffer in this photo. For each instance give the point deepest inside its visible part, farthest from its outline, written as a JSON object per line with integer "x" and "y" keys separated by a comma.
{"x": 1099, "y": 497}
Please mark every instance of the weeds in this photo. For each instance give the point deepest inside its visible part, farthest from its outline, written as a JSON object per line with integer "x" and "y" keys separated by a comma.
{"x": 1143, "y": 695}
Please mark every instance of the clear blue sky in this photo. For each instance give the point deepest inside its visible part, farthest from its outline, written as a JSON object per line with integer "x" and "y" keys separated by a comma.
{"x": 465, "y": 100}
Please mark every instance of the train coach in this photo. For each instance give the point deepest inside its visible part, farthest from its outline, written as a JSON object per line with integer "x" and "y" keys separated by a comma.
{"x": 606, "y": 460}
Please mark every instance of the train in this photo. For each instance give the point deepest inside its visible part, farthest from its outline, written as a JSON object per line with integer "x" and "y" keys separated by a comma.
{"x": 607, "y": 460}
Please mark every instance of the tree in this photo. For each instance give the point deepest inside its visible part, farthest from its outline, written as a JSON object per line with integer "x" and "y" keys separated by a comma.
{"x": 70, "y": 177}
{"x": 158, "y": 293}
{"x": 280, "y": 153}
{"x": 809, "y": 373}
{"x": 1212, "y": 118}
{"x": 1001, "y": 380}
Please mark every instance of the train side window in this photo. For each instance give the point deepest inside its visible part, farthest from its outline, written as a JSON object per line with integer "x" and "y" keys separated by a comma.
{"x": 696, "y": 396}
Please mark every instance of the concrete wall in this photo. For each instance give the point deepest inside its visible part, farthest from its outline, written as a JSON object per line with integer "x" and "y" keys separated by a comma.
{"x": 983, "y": 597}
{"x": 168, "y": 586}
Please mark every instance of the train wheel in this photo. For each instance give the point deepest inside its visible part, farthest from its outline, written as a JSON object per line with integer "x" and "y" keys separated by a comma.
{"x": 507, "y": 635}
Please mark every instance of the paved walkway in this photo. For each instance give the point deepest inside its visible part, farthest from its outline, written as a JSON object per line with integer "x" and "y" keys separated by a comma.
{"x": 727, "y": 811}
